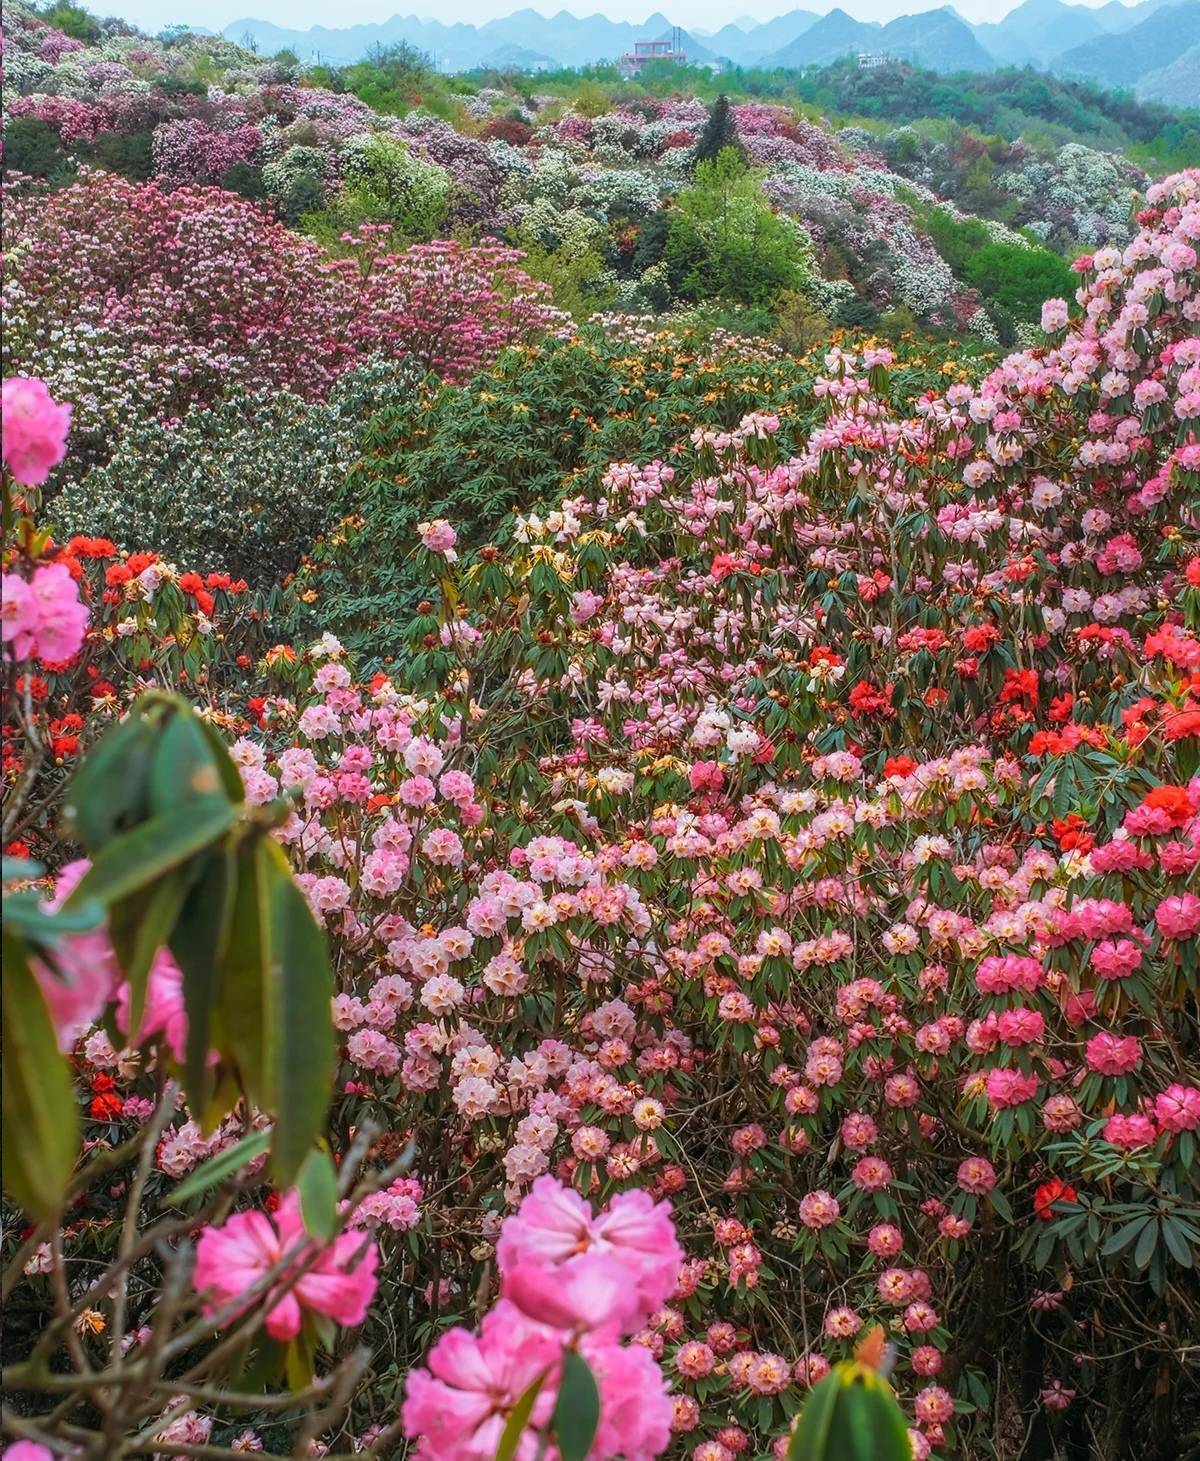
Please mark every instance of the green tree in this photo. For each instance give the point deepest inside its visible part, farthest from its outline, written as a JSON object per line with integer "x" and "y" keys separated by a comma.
{"x": 72, "y": 20}
{"x": 385, "y": 181}
{"x": 725, "y": 242}
{"x": 718, "y": 134}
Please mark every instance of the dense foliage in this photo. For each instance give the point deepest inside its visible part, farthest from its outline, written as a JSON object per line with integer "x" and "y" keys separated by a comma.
{"x": 595, "y": 179}
{"x": 793, "y": 820}
{"x": 589, "y": 883}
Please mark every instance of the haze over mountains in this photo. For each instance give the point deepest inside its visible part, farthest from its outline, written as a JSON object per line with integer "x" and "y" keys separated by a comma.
{"x": 1152, "y": 47}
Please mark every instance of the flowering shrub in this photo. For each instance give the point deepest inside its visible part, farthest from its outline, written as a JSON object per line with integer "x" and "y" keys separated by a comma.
{"x": 109, "y": 291}
{"x": 795, "y": 822}
{"x": 247, "y": 484}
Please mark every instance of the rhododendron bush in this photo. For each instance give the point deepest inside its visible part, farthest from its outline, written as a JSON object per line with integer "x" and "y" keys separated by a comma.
{"x": 134, "y": 303}
{"x": 761, "y": 906}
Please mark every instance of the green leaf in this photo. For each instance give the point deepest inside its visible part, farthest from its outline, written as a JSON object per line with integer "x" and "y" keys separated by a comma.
{"x": 197, "y": 942}
{"x": 183, "y": 767}
{"x": 1146, "y": 1245}
{"x": 577, "y": 1410}
{"x": 1176, "y": 1246}
{"x": 136, "y": 858}
{"x": 518, "y": 1419}
{"x": 231, "y": 777}
{"x": 810, "y": 1438}
{"x": 108, "y": 791}
{"x": 24, "y": 914}
{"x": 1122, "y": 1238}
{"x": 41, "y": 1119}
{"x": 852, "y": 1415}
{"x": 318, "y": 1193}
{"x": 1000, "y": 1204}
{"x": 218, "y": 1168}
{"x": 299, "y": 1033}
{"x": 138, "y": 939}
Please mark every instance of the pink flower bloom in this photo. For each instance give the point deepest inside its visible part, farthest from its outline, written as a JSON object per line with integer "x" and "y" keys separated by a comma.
{"x": 164, "y": 1012}
{"x": 591, "y": 1291}
{"x": 1116, "y": 958}
{"x": 1010, "y": 1088}
{"x": 933, "y": 1406}
{"x": 1021, "y": 1026}
{"x": 1108, "y": 1054}
{"x": 459, "y": 1405}
{"x": 976, "y": 1175}
{"x": 87, "y": 966}
{"x": 28, "y": 1451}
{"x": 819, "y": 1209}
{"x": 232, "y": 1258}
{"x": 706, "y": 776}
{"x": 1178, "y": 1108}
{"x": 439, "y": 537}
{"x": 1129, "y": 1131}
{"x": 553, "y": 1224}
{"x": 35, "y": 430}
{"x": 43, "y": 617}
{"x": 635, "y": 1409}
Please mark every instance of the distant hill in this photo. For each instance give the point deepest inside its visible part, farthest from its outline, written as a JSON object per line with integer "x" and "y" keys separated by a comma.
{"x": 1116, "y": 44}
{"x": 1122, "y": 60}
{"x": 746, "y": 43}
{"x": 836, "y": 34}
{"x": 1176, "y": 85}
{"x": 1038, "y": 30}
{"x": 939, "y": 38}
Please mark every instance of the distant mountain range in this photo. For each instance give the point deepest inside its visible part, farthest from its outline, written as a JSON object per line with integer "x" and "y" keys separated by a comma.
{"x": 1152, "y": 47}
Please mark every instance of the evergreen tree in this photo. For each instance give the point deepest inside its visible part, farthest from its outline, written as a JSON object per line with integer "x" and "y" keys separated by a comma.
{"x": 720, "y": 132}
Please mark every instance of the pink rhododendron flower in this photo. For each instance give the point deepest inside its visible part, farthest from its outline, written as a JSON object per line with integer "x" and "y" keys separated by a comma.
{"x": 86, "y": 963}
{"x": 1178, "y": 1108}
{"x": 232, "y": 1258}
{"x": 554, "y": 1224}
{"x": 43, "y": 617}
{"x": 459, "y": 1405}
{"x": 35, "y": 431}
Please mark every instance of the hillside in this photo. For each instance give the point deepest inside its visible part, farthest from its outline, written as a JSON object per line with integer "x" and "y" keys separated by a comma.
{"x": 801, "y": 227}
{"x": 600, "y": 752}
{"x": 1061, "y": 38}
{"x": 1122, "y": 60}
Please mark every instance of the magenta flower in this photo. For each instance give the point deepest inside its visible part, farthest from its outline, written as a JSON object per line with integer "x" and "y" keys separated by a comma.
{"x": 555, "y": 1224}
{"x": 1178, "y": 1108}
{"x": 232, "y": 1258}
{"x": 591, "y": 1291}
{"x": 35, "y": 430}
{"x": 87, "y": 974}
{"x": 459, "y": 1405}
{"x": 43, "y": 616}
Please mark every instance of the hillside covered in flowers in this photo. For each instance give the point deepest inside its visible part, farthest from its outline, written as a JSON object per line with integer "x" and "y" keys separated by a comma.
{"x": 601, "y": 793}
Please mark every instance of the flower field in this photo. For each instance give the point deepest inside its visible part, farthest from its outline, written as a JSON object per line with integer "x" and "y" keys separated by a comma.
{"x": 587, "y": 884}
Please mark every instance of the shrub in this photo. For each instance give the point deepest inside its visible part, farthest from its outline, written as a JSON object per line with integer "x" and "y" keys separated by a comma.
{"x": 726, "y": 243}
{"x": 246, "y": 485}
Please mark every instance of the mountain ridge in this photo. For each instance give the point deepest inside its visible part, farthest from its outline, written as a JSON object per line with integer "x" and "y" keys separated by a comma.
{"x": 1110, "y": 43}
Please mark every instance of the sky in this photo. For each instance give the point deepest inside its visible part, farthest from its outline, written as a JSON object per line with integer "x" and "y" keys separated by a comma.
{"x": 710, "y": 15}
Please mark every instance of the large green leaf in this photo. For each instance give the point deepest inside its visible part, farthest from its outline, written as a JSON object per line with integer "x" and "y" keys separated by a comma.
{"x": 851, "y": 1415}
{"x": 152, "y": 849}
{"x": 317, "y": 1184}
{"x": 239, "y": 1021}
{"x": 108, "y": 791}
{"x": 577, "y": 1409}
{"x": 300, "y": 1043}
{"x": 198, "y": 942}
{"x": 41, "y": 1119}
{"x": 183, "y": 767}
